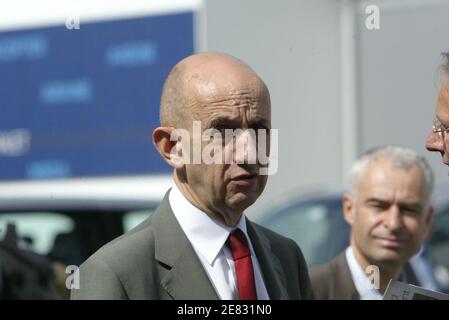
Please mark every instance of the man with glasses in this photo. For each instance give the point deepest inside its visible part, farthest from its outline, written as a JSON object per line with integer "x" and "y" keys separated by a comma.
{"x": 437, "y": 140}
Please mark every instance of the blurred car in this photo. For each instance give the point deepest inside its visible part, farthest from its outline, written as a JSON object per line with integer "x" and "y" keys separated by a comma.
{"x": 315, "y": 221}
{"x": 67, "y": 221}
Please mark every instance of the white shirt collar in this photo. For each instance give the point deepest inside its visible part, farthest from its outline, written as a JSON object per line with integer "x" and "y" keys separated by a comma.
{"x": 359, "y": 277}
{"x": 206, "y": 235}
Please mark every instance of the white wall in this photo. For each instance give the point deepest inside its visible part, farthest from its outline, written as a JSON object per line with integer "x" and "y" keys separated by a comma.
{"x": 398, "y": 74}
{"x": 303, "y": 51}
{"x": 294, "y": 46}
{"x": 26, "y": 14}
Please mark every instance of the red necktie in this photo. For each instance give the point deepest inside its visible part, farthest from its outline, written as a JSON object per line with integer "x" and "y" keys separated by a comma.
{"x": 243, "y": 265}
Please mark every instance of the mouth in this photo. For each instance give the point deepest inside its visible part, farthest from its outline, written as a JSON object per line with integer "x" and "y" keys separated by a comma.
{"x": 244, "y": 179}
{"x": 444, "y": 158}
{"x": 390, "y": 242}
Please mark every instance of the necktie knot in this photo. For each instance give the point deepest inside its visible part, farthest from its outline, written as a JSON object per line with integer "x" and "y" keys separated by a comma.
{"x": 239, "y": 245}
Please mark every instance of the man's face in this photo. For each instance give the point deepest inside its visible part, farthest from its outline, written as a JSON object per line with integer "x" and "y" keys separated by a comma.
{"x": 439, "y": 142}
{"x": 240, "y": 104}
{"x": 389, "y": 216}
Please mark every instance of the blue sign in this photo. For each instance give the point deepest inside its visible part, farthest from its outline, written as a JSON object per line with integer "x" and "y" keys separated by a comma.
{"x": 83, "y": 102}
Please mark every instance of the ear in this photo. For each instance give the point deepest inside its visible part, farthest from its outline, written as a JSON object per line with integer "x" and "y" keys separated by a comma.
{"x": 168, "y": 148}
{"x": 430, "y": 219}
{"x": 348, "y": 208}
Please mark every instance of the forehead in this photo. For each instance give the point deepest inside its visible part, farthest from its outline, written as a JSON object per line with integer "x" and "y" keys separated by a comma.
{"x": 442, "y": 108}
{"x": 230, "y": 99}
{"x": 382, "y": 180}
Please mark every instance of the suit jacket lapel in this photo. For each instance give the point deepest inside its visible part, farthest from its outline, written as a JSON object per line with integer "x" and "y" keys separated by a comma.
{"x": 272, "y": 272}
{"x": 182, "y": 275}
{"x": 345, "y": 285}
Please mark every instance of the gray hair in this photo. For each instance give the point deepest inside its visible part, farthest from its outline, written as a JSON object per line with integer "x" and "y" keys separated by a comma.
{"x": 401, "y": 158}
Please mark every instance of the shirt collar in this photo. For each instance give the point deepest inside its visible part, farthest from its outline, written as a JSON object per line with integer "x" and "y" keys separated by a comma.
{"x": 361, "y": 282}
{"x": 205, "y": 234}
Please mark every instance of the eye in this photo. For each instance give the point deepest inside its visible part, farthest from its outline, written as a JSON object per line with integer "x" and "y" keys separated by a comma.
{"x": 411, "y": 210}
{"x": 221, "y": 129}
{"x": 438, "y": 126}
{"x": 259, "y": 126}
{"x": 378, "y": 206}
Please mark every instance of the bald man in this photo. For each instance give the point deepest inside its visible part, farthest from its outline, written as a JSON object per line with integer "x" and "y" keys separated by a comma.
{"x": 199, "y": 244}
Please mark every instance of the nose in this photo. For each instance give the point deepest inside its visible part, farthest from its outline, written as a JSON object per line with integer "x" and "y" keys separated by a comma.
{"x": 245, "y": 148}
{"x": 393, "y": 220}
{"x": 434, "y": 142}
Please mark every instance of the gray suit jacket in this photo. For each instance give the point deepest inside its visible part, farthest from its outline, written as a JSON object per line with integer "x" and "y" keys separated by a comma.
{"x": 333, "y": 280}
{"x": 155, "y": 260}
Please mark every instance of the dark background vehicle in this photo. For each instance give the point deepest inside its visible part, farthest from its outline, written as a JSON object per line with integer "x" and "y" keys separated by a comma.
{"x": 66, "y": 222}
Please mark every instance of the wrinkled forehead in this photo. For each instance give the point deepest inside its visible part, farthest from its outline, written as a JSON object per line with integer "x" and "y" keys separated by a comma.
{"x": 229, "y": 93}
{"x": 251, "y": 89}
{"x": 233, "y": 98}
{"x": 442, "y": 108}
{"x": 444, "y": 89}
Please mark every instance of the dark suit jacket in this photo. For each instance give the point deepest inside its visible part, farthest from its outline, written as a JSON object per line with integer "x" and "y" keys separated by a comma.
{"x": 155, "y": 260}
{"x": 333, "y": 280}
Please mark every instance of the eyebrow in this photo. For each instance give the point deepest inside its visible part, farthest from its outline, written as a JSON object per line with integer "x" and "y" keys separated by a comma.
{"x": 441, "y": 123}
{"x": 415, "y": 206}
{"x": 224, "y": 122}
{"x": 376, "y": 200}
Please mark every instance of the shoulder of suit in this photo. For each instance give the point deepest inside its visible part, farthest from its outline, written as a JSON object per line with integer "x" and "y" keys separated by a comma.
{"x": 322, "y": 272}
{"x": 323, "y": 278}
{"x": 274, "y": 237}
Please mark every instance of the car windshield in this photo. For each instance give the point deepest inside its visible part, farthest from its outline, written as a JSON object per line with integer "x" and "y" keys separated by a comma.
{"x": 317, "y": 226}
{"x": 37, "y": 230}
{"x": 69, "y": 237}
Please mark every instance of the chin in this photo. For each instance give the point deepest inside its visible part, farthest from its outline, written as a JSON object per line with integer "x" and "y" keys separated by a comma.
{"x": 241, "y": 201}
{"x": 391, "y": 258}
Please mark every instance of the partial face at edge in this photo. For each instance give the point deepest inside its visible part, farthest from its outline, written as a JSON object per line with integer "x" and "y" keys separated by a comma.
{"x": 440, "y": 142}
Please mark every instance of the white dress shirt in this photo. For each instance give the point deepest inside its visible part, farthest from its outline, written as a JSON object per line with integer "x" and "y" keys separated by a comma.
{"x": 208, "y": 238}
{"x": 359, "y": 277}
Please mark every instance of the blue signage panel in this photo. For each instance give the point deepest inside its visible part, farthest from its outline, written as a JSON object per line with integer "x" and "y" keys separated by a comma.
{"x": 83, "y": 102}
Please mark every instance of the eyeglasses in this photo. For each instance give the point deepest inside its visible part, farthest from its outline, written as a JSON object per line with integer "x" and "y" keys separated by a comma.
{"x": 439, "y": 128}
